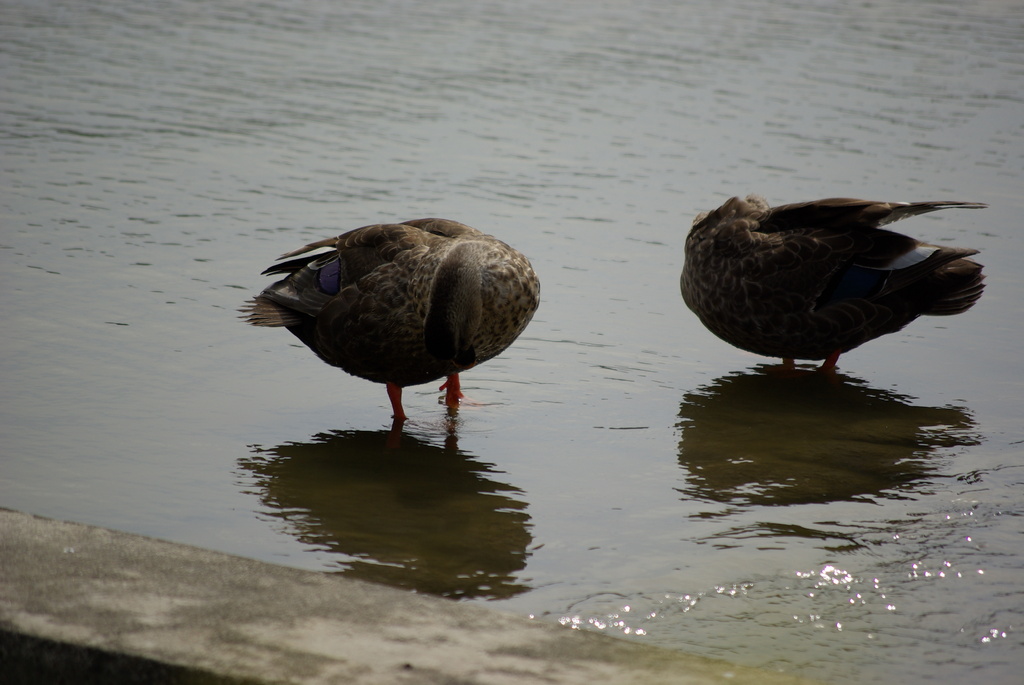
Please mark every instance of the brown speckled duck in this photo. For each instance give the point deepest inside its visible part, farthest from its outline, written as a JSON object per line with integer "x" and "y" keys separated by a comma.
{"x": 403, "y": 304}
{"x": 816, "y": 279}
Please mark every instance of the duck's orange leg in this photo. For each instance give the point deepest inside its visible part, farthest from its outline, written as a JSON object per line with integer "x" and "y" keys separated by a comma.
{"x": 453, "y": 391}
{"x": 395, "y": 395}
{"x": 830, "y": 361}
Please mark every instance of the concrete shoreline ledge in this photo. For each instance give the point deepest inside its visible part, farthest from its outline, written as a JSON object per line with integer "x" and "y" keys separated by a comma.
{"x": 80, "y": 604}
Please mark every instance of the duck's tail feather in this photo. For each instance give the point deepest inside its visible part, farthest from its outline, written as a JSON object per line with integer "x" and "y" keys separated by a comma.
{"x": 961, "y": 283}
{"x": 262, "y": 311}
{"x": 903, "y": 210}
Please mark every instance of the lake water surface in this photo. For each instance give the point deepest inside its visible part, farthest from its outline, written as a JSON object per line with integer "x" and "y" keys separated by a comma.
{"x": 621, "y": 469}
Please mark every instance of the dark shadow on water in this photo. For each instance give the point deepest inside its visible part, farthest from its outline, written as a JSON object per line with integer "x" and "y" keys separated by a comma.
{"x": 423, "y": 517}
{"x": 760, "y": 439}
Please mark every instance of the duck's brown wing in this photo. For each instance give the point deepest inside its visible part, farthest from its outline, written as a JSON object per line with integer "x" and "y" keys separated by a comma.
{"x": 850, "y": 214}
{"x": 824, "y": 238}
{"x": 851, "y": 230}
{"x": 363, "y": 249}
{"x": 314, "y": 280}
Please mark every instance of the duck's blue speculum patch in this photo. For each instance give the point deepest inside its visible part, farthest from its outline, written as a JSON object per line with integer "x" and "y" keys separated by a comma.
{"x": 857, "y": 281}
{"x": 328, "y": 278}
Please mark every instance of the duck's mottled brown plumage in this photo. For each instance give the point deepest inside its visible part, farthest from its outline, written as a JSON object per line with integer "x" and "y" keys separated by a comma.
{"x": 811, "y": 280}
{"x": 410, "y": 302}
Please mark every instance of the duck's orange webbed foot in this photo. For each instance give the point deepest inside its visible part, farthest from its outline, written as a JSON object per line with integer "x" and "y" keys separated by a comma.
{"x": 789, "y": 369}
{"x": 453, "y": 391}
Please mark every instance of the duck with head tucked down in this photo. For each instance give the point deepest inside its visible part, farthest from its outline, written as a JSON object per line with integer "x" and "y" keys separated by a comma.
{"x": 816, "y": 279}
{"x": 403, "y": 304}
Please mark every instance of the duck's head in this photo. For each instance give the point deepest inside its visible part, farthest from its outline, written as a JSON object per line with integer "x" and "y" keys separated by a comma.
{"x": 453, "y": 319}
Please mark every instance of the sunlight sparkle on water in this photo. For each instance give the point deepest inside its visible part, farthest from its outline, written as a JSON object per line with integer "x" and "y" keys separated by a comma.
{"x": 603, "y": 623}
{"x": 994, "y": 635}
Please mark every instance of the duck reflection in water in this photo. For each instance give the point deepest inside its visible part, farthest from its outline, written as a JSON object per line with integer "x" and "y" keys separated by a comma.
{"x": 422, "y": 517}
{"x": 755, "y": 439}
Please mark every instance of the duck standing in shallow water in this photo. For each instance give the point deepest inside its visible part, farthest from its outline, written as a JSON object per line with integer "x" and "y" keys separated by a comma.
{"x": 816, "y": 279}
{"x": 403, "y": 304}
